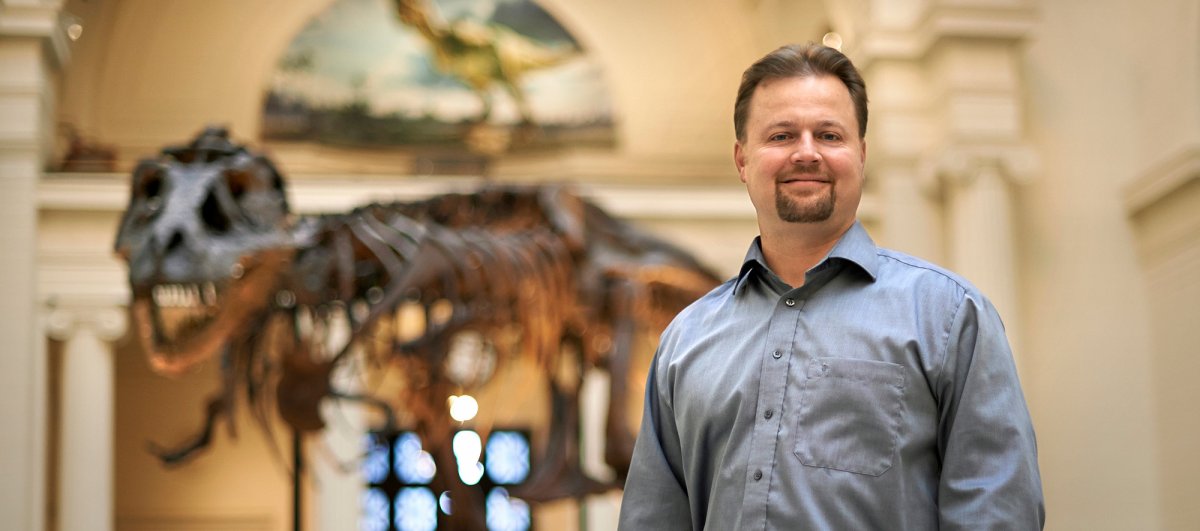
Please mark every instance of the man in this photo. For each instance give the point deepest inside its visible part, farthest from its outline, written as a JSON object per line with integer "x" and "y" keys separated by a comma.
{"x": 832, "y": 384}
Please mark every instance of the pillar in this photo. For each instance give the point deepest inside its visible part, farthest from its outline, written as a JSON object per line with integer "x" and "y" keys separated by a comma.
{"x": 85, "y": 472}
{"x": 979, "y": 191}
{"x": 949, "y": 152}
{"x": 31, "y": 50}
{"x": 337, "y": 488}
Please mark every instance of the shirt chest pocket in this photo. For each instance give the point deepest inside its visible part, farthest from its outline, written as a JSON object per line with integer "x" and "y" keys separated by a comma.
{"x": 850, "y": 415}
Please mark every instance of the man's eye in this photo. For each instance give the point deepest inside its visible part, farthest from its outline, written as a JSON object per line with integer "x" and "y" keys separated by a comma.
{"x": 830, "y": 137}
{"x": 779, "y": 136}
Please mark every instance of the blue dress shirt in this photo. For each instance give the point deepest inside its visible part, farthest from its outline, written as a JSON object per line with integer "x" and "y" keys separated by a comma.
{"x": 881, "y": 394}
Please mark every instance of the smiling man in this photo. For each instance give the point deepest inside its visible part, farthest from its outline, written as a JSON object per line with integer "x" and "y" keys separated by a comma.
{"x": 832, "y": 384}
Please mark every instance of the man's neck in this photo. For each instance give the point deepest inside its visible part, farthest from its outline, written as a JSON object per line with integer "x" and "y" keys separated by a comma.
{"x": 791, "y": 250}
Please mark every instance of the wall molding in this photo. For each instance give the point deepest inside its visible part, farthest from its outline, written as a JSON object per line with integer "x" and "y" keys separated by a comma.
{"x": 311, "y": 194}
{"x": 37, "y": 18}
{"x": 1006, "y": 20}
{"x": 1162, "y": 178}
{"x": 197, "y": 522}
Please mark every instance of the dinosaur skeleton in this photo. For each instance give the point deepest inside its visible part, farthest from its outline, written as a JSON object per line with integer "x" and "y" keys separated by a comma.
{"x": 219, "y": 269}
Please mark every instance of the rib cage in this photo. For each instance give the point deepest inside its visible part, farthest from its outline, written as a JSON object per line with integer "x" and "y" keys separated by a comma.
{"x": 538, "y": 260}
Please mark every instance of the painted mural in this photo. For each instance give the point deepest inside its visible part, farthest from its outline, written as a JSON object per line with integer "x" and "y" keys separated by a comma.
{"x": 482, "y": 76}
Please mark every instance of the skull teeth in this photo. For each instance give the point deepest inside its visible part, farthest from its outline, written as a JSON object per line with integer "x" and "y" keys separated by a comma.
{"x": 209, "y": 293}
{"x": 182, "y": 310}
{"x": 185, "y": 295}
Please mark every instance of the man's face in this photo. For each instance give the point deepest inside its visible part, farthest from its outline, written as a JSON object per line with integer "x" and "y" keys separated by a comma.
{"x": 802, "y": 159}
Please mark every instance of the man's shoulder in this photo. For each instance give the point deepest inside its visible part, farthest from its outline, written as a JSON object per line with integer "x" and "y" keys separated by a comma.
{"x": 712, "y": 300}
{"x": 905, "y": 267}
{"x": 706, "y": 306}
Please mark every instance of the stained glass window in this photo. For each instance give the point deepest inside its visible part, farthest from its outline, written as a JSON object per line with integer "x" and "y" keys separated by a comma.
{"x": 399, "y": 471}
{"x": 375, "y": 463}
{"x": 413, "y": 464}
{"x": 416, "y": 509}
{"x": 508, "y": 457}
{"x": 505, "y": 513}
{"x": 375, "y": 511}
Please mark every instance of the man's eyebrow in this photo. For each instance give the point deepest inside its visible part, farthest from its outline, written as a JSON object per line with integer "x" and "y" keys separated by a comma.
{"x": 825, "y": 123}
{"x": 831, "y": 123}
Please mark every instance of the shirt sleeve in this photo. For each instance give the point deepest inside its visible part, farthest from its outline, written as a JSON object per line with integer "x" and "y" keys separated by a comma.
{"x": 990, "y": 477}
{"x": 655, "y": 496}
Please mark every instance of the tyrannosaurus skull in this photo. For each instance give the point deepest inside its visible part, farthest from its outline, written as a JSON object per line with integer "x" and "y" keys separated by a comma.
{"x": 207, "y": 237}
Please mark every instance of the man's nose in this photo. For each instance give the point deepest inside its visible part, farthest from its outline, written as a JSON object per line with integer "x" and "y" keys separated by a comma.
{"x": 805, "y": 151}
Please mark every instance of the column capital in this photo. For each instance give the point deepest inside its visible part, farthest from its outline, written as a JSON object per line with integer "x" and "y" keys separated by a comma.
{"x": 916, "y": 31}
{"x": 38, "y": 19}
{"x": 106, "y": 321}
{"x": 958, "y": 166}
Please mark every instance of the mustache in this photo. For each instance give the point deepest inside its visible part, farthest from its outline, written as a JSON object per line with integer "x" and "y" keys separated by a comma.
{"x": 803, "y": 171}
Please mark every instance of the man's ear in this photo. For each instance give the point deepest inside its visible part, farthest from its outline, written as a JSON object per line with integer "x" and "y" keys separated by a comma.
{"x": 739, "y": 160}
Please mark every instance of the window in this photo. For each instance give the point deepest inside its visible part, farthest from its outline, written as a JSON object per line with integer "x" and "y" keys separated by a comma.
{"x": 398, "y": 472}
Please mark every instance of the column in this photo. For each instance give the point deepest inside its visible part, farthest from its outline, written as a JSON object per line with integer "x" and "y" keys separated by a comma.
{"x": 337, "y": 481}
{"x": 981, "y": 231}
{"x": 947, "y": 84}
{"x": 85, "y": 477}
{"x": 901, "y": 131}
{"x": 31, "y": 48}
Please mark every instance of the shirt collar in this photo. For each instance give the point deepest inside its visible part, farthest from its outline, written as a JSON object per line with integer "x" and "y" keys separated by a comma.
{"x": 855, "y": 248}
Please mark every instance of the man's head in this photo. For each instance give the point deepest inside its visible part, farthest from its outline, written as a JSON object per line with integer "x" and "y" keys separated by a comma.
{"x": 800, "y": 118}
{"x": 797, "y": 60}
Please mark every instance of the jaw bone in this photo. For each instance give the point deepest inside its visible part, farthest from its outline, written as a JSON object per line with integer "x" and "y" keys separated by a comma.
{"x": 182, "y": 325}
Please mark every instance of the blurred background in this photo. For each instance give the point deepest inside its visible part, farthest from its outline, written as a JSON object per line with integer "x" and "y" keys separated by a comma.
{"x": 1048, "y": 150}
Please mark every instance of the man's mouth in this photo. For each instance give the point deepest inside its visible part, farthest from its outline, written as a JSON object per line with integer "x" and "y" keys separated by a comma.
{"x": 804, "y": 180}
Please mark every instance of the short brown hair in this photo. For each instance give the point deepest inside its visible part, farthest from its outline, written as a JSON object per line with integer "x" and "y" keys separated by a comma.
{"x": 800, "y": 60}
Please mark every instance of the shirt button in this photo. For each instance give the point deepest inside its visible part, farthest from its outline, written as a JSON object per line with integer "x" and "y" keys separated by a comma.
{"x": 757, "y": 475}
{"x": 777, "y": 354}
{"x": 770, "y": 413}
{"x": 790, "y": 302}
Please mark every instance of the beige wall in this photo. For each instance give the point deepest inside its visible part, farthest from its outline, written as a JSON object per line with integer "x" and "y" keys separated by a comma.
{"x": 1112, "y": 88}
{"x": 240, "y": 482}
{"x": 1168, "y": 234}
{"x": 1107, "y": 279}
{"x": 146, "y": 71}
{"x": 149, "y": 72}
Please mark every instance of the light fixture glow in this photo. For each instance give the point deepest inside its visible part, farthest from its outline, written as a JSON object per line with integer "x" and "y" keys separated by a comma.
{"x": 467, "y": 447}
{"x": 832, "y": 40}
{"x": 463, "y": 408}
{"x": 470, "y": 473}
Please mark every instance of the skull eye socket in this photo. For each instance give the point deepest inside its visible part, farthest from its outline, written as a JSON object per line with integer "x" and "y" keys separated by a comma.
{"x": 214, "y": 218}
{"x": 149, "y": 182}
{"x": 239, "y": 182}
{"x": 152, "y": 187}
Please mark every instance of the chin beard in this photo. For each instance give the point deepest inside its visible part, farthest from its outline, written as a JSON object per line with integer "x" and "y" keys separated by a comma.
{"x": 804, "y": 210}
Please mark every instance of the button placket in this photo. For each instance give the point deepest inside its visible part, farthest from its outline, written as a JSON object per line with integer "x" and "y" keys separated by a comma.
{"x": 774, "y": 371}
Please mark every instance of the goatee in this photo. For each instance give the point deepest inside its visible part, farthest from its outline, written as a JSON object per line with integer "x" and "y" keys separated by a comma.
{"x": 805, "y": 209}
